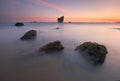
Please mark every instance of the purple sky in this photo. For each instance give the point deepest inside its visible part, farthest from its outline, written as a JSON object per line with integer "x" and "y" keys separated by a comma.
{"x": 49, "y": 10}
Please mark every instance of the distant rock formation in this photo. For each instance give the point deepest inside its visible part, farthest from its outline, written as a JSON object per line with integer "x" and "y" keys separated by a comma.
{"x": 116, "y": 28}
{"x": 118, "y": 22}
{"x": 93, "y": 51}
{"x": 19, "y": 24}
{"x": 52, "y": 47}
{"x": 29, "y": 35}
{"x": 34, "y": 21}
{"x": 69, "y": 22}
{"x": 57, "y": 28}
{"x": 61, "y": 19}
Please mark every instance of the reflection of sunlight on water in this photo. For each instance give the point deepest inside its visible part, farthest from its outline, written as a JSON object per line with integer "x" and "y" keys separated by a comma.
{"x": 20, "y": 63}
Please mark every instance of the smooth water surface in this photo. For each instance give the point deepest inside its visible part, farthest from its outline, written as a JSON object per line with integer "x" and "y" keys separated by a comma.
{"x": 21, "y": 61}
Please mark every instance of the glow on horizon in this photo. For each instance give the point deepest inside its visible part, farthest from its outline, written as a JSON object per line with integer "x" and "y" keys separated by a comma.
{"x": 49, "y": 10}
{"x": 46, "y": 19}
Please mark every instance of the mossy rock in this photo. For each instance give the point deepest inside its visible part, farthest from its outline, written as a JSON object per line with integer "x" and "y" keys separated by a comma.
{"x": 52, "y": 47}
{"x": 29, "y": 35}
{"x": 93, "y": 51}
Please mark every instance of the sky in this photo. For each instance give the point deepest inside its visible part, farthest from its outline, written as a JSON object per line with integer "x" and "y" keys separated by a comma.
{"x": 50, "y": 10}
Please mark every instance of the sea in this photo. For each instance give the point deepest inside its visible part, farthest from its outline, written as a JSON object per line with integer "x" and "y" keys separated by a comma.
{"x": 21, "y": 60}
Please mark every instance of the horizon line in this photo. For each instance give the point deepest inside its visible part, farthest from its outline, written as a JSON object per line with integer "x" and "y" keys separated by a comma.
{"x": 54, "y": 19}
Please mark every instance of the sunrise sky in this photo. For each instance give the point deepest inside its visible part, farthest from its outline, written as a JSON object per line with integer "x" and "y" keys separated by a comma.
{"x": 49, "y": 10}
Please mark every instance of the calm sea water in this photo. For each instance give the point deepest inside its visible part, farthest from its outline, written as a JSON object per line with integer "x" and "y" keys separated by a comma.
{"x": 21, "y": 61}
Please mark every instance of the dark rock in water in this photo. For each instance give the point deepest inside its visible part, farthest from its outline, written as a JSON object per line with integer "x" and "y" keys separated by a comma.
{"x": 93, "y": 51}
{"x": 52, "y": 47}
{"x": 61, "y": 19}
{"x": 29, "y": 35}
{"x": 34, "y": 21}
{"x": 118, "y": 22}
{"x": 19, "y": 24}
{"x": 69, "y": 22}
{"x": 57, "y": 28}
{"x": 117, "y": 80}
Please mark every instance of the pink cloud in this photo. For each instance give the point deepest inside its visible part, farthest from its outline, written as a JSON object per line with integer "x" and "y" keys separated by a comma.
{"x": 50, "y": 5}
{"x": 15, "y": 3}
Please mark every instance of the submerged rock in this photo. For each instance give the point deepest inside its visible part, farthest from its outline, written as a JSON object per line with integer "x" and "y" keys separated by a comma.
{"x": 19, "y": 24}
{"x": 29, "y": 35}
{"x": 61, "y": 19}
{"x": 52, "y": 47}
{"x": 93, "y": 51}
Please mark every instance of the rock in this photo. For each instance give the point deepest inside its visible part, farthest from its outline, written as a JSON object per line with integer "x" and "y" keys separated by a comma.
{"x": 69, "y": 22}
{"x": 29, "y": 35}
{"x": 57, "y": 28}
{"x": 34, "y": 21}
{"x": 118, "y": 22}
{"x": 61, "y": 19}
{"x": 19, "y": 24}
{"x": 93, "y": 51}
{"x": 52, "y": 47}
